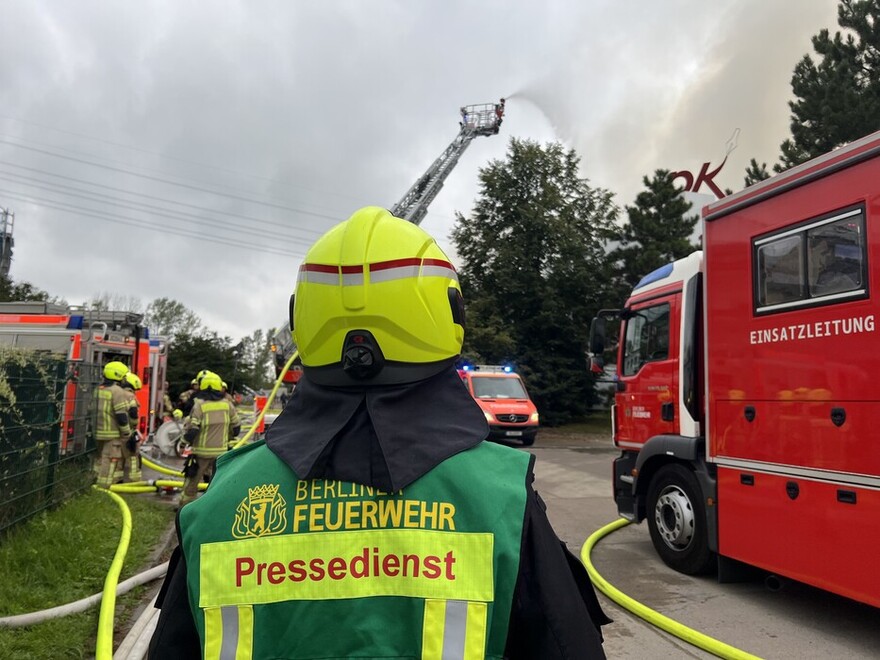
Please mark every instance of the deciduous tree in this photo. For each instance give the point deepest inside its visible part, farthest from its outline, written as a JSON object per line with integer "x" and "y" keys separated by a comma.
{"x": 534, "y": 271}
{"x": 168, "y": 318}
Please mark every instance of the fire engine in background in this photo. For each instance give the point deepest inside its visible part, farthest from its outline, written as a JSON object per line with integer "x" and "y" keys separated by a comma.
{"x": 89, "y": 337}
{"x": 479, "y": 120}
{"x": 503, "y": 398}
{"x": 747, "y": 398}
{"x": 282, "y": 348}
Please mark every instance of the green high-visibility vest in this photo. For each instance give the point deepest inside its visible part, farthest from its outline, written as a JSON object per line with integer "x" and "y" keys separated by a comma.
{"x": 279, "y": 567}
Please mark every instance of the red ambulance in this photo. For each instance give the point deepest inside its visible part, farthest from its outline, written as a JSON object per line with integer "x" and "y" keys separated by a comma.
{"x": 502, "y": 396}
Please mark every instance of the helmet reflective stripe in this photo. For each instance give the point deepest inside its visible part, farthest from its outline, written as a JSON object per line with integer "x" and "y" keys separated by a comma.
{"x": 438, "y": 268}
{"x": 352, "y": 275}
{"x": 373, "y": 299}
{"x": 384, "y": 271}
{"x": 318, "y": 274}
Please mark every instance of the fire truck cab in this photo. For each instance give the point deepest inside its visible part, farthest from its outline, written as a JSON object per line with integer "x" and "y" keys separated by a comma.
{"x": 746, "y": 393}
{"x": 502, "y": 396}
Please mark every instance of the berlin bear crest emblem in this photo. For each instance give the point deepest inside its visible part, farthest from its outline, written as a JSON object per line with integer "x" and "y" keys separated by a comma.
{"x": 262, "y": 513}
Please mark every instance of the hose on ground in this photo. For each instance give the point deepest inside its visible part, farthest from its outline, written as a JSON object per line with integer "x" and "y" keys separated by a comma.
{"x": 104, "y": 645}
{"x": 152, "y": 486}
{"x": 128, "y": 649}
{"x": 653, "y": 617}
{"x": 142, "y": 644}
{"x": 161, "y": 468}
{"x": 83, "y": 604}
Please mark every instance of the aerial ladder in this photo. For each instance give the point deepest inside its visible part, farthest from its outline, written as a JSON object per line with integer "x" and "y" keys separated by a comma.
{"x": 483, "y": 119}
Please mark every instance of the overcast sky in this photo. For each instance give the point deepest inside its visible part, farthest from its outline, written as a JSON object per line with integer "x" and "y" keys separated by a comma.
{"x": 194, "y": 150}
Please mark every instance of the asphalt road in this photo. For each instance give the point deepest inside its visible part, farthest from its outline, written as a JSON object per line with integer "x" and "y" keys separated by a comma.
{"x": 573, "y": 476}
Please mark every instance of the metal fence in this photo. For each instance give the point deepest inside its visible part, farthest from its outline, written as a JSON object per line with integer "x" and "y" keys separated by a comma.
{"x": 45, "y": 431}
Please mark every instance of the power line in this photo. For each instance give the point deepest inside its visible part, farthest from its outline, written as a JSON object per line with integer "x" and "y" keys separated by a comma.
{"x": 167, "y": 181}
{"x": 171, "y": 214}
{"x": 156, "y": 198}
{"x": 169, "y": 157}
{"x": 132, "y": 222}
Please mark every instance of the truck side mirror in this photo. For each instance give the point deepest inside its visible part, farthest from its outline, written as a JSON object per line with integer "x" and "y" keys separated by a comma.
{"x": 597, "y": 337}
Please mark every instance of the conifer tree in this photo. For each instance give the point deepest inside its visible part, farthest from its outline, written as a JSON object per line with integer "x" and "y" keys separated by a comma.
{"x": 837, "y": 95}
{"x": 658, "y": 231}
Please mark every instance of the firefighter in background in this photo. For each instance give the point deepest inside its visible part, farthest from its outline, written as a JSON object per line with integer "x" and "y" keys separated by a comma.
{"x": 167, "y": 408}
{"x": 379, "y": 420}
{"x": 186, "y": 398}
{"x": 195, "y": 386}
{"x": 212, "y": 423}
{"x": 131, "y": 458}
{"x": 227, "y": 394}
{"x": 113, "y": 428}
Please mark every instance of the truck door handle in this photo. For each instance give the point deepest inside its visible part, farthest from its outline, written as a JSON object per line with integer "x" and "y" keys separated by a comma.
{"x": 667, "y": 412}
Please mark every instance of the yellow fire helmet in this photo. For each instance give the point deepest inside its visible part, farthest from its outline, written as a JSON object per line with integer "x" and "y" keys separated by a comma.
{"x": 115, "y": 370}
{"x": 211, "y": 381}
{"x": 202, "y": 374}
{"x": 134, "y": 381}
{"x": 376, "y": 303}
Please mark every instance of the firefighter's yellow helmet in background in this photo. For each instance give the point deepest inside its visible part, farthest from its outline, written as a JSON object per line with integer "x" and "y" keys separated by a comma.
{"x": 377, "y": 302}
{"x": 115, "y": 370}
{"x": 134, "y": 381}
{"x": 211, "y": 381}
{"x": 202, "y": 374}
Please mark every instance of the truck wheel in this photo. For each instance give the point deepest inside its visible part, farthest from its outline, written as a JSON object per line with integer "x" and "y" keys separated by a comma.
{"x": 677, "y": 520}
{"x": 528, "y": 441}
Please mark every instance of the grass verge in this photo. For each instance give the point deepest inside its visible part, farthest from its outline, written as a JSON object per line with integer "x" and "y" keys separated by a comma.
{"x": 597, "y": 422}
{"x": 63, "y": 555}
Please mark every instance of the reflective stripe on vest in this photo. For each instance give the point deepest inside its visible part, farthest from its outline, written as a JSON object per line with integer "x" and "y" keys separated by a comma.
{"x": 107, "y": 428}
{"x": 454, "y": 630}
{"x": 201, "y": 447}
{"x": 229, "y": 633}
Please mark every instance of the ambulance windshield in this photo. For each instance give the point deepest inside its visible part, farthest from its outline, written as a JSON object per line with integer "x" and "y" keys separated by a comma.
{"x": 493, "y": 387}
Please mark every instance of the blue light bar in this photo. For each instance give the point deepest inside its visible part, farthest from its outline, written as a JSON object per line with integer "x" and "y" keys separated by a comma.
{"x": 659, "y": 274}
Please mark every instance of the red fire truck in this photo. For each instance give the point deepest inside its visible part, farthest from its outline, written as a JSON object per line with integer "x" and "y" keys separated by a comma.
{"x": 282, "y": 348}
{"x": 88, "y": 337}
{"x": 745, "y": 393}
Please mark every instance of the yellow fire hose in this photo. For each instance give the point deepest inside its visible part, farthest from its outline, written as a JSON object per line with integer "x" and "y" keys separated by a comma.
{"x": 161, "y": 469}
{"x": 653, "y": 617}
{"x": 150, "y": 486}
{"x": 104, "y": 646}
{"x": 247, "y": 436}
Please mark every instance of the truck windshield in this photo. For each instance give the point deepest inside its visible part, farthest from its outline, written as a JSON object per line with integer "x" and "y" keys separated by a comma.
{"x": 647, "y": 338}
{"x": 486, "y": 387}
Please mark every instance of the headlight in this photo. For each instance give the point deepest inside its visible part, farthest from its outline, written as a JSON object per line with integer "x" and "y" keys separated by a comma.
{"x": 534, "y": 417}
{"x": 489, "y": 417}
